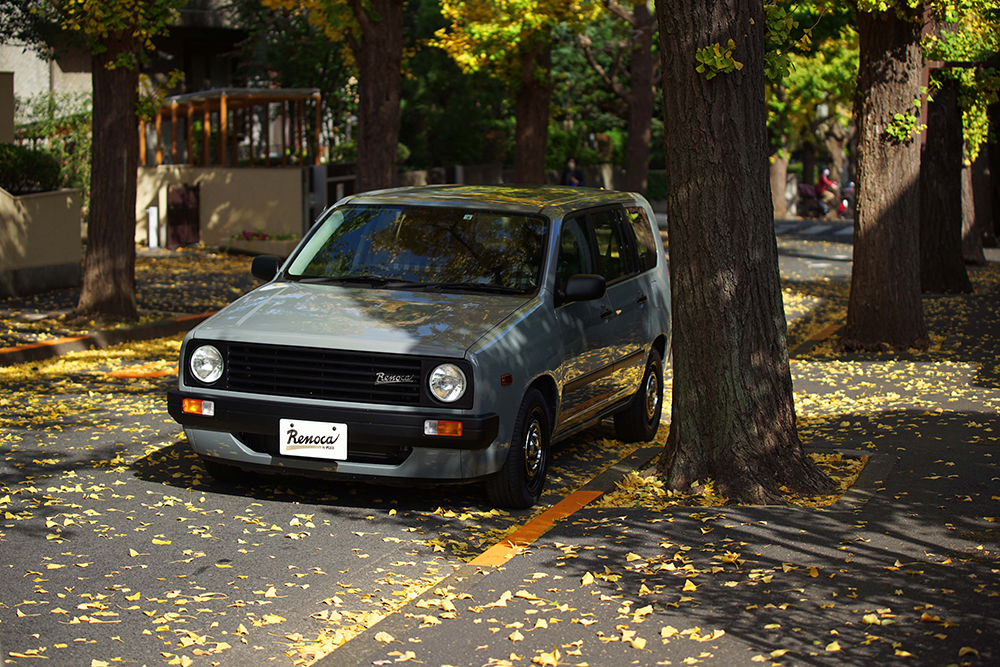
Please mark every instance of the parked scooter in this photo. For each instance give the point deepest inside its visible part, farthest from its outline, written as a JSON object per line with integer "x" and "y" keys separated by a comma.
{"x": 809, "y": 205}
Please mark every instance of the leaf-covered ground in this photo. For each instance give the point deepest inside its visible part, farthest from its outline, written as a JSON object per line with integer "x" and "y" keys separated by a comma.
{"x": 118, "y": 549}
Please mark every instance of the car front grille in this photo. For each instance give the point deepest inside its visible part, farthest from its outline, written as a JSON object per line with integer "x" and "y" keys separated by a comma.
{"x": 322, "y": 374}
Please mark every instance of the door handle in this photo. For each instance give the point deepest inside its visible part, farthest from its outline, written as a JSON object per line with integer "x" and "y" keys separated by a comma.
{"x": 608, "y": 314}
{"x": 642, "y": 299}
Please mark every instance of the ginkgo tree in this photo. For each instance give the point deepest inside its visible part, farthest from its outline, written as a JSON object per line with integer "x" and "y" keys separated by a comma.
{"x": 511, "y": 39}
{"x": 119, "y": 33}
{"x": 812, "y": 102}
{"x": 733, "y": 416}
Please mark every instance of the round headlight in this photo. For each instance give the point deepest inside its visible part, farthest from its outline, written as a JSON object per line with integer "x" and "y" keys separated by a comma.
{"x": 447, "y": 383}
{"x": 206, "y": 364}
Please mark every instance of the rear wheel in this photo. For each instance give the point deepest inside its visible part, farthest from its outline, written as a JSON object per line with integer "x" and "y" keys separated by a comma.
{"x": 518, "y": 484}
{"x": 641, "y": 419}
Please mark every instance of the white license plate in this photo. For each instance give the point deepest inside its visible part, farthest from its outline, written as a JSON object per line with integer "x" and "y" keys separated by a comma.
{"x": 320, "y": 440}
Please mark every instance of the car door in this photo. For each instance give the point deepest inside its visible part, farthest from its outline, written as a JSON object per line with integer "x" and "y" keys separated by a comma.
{"x": 617, "y": 262}
{"x": 587, "y": 330}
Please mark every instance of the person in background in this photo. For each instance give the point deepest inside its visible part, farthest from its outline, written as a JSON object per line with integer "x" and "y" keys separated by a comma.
{"x": 826, "y": 190}
{"x": 571, "y": 175}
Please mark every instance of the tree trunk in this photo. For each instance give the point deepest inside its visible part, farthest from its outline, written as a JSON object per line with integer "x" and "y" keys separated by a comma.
{"x": 993, "y": 112}
{"x": 809, "y": 163}
{"x": 778, "y": 176}
{"x": 972, "y": 234}
{"x": 836, "y": 140}
{"x": 884, "y": 308}
{"x": 640, "y": 111}
{"x": 109, "y": 267}
{"x": 982, "y": 184}
{"x": 379, "y": 54}
{"x": 532, "y": 112}
{"x": 733, "y": 419}
{"x": 942, "y": 270}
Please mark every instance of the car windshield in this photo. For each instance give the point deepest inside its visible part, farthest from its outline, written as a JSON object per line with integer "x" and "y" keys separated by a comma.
{"x": 425, "y": 246}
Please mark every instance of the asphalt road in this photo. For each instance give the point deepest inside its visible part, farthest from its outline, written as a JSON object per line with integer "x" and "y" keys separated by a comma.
{"x": 114, "y": 546}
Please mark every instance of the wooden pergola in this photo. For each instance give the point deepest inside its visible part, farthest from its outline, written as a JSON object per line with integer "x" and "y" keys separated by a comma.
{"x": 237, "y": 104}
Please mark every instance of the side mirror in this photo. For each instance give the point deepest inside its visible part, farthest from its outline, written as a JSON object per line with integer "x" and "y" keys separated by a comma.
{"x": 584, "y": 287}
{"x": 265, "y": 267}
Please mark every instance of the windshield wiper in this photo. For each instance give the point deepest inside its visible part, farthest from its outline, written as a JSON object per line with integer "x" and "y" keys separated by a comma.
{"x": 472, "y": 287}
{"x": 368, "y": 278}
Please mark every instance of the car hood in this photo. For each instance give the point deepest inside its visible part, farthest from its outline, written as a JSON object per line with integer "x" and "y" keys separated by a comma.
{"x": 329, "y": 316}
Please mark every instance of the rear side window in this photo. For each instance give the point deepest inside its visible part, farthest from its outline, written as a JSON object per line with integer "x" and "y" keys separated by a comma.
{"x": 645, "y": 239}
{"x": 611, "y": 254}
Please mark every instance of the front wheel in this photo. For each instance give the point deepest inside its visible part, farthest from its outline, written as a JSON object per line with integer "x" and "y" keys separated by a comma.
{"x": 641, "y": 419}
{"x": 518, "y": 484}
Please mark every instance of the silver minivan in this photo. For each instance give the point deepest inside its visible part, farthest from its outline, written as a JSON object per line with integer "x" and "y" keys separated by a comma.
{"x": 436, "y": 334}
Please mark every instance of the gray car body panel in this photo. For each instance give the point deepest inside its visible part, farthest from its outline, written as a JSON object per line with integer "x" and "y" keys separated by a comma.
{"x": 497, "y": 335}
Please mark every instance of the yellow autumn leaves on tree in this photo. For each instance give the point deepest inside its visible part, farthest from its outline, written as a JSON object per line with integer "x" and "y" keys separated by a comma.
{"x": 490, "y": 36}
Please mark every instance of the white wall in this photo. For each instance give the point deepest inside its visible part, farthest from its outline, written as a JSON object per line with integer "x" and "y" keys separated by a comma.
{"x": 231, "y": 199}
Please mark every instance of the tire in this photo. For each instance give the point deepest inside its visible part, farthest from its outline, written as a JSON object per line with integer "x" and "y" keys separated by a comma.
{"x": 223, "y": 473}
{"x": 641, "y": 419}
{"x": 518, "y": 484}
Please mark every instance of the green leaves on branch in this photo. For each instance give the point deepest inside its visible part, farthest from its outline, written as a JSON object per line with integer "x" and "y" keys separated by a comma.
{"x": 150, "y": 99}
{"x": 905, "y": 126}
{"x": 714, "y": 60}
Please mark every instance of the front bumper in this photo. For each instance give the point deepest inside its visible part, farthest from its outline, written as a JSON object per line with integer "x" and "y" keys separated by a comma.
{"x": 255, "y": 422}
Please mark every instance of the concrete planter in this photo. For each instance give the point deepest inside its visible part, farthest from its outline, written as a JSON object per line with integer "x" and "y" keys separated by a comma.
{"x": 40, "y": 246}
{"x": 280, "y": 248}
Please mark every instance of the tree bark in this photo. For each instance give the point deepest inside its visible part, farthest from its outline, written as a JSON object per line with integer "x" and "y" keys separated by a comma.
{"x": 733, "y": 418}
{"x": 982, "y": 185}
{"x": 531, "y": 108}
{"x": 108, "y": 287}
{"x": 942, "y": 270}
{"x": 884, "y": 308}
{"x": 972, "y": 233}
{"x": 778, "y": 176}
{"x": 379, "y": 54}
{"x": 809, "y": 163}
{"x": 640, "y": 111}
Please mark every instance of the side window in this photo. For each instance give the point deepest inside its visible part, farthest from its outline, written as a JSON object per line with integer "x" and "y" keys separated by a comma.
{"x": 645, "y": 239}
{"x": 611, "y": 255}
{"x": 574, "y": 252}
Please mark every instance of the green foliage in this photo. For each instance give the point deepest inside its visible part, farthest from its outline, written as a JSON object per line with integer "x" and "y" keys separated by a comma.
{"x": 656, "y": 184}
{"x": 904, "y": 126}
{"x": 61, "y": 122}
{"x": 285, "y": 48}
{"x": 347, "y": 151}
{"x": 448, "y": 117}
{"x": 151, "y": 99}
{"x": 715, "y": 59}
{"x": 778, "y": 25}
{"x": 24, "y": 170}
{"x": 977, "y": 38}
{"x": 569, "y": 143}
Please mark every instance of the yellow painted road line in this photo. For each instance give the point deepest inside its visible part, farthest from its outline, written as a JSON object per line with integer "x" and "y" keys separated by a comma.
{"x": 522, "y": 538}
{"x": 149, "y": 370}
{"x": 45, "y": 343}
{"x": 826, "y": 332}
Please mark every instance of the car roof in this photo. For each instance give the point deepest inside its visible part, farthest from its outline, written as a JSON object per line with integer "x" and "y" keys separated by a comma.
{"x": 552, "y": 200}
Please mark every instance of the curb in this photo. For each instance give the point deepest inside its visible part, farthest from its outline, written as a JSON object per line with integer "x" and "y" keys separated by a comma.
{"x": 99, "y": 340}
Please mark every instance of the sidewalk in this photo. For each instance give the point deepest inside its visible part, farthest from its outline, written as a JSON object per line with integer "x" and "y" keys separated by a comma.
{"x": 902, "y": 570}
